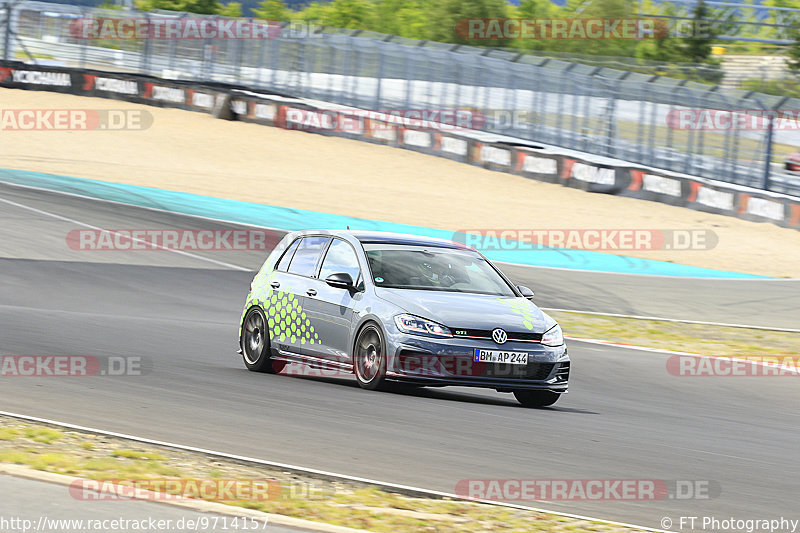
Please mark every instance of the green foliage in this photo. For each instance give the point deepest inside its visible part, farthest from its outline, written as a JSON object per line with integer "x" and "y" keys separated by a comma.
{"x": 662, "y": 49}
{"x": 698, "y": 43}
{"x": 533, "y": 10}
{"x": 354, "y": 14}
{"x": 692, "y": 48}
{"x": 110, "y": 4}
{"x": 406, "y": 18}
{"x": 231, "y": 9}
{"x": 315, "y": 12}
{"x": 351, "y": 14}
{"x": 784, "y": 87}
{"x": 201, "y": 7}
{"x": 168, "y": 5}
{"x": 794, "y": 4}
{"x": 436, "y": 20}
{"x": 445, "y": 14}
{"x": 793, "y": 52}
{"x": 272, "y": 10}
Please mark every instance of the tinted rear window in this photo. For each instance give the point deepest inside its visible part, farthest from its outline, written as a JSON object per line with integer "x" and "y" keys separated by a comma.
{"x": 283, "y": 264}
{"x": 305, "y": 258}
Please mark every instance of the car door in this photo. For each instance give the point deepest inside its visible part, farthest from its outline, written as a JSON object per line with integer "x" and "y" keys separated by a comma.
{"x": 289, "y": 323}
{"x": 330, "y": 309}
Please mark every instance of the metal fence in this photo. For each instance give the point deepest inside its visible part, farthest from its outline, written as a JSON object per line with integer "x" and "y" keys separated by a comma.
{"x": 617, "y": 113}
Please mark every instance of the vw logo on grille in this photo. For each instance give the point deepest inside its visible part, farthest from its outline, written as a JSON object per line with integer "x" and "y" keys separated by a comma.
{"x": 499, "y": 336}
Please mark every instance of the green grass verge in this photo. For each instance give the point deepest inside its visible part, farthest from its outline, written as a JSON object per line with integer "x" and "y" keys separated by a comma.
{"x": 347, "y": 504}
{"x": 694, "y": 338}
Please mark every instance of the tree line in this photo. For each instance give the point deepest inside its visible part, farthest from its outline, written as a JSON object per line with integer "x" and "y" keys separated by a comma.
{"x": 436, "y": 20}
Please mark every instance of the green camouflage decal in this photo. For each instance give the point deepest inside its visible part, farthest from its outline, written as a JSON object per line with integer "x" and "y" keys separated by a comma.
{"x": 285, "y": 316}
{"x": 521, "y": 307}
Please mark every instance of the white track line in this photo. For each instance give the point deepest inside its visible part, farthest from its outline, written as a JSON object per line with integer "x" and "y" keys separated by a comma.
{"x": 678, "y": 320}
{"x": 136, "y": 206}
{"x": 85, "y": 225}
{"x": 405, "y": 488}
{"x": 766, "y": 364}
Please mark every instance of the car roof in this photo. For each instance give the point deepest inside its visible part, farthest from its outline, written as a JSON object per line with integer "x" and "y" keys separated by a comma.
{"x": 384, "y": 237}
{"x": 381, "y": 237}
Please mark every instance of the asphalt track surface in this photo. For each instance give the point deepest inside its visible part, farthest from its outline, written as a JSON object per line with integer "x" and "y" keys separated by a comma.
{"x": 626, "y": 417}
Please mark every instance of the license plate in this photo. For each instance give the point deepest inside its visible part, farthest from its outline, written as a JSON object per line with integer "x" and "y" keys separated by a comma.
{"x": 500, "y": 356}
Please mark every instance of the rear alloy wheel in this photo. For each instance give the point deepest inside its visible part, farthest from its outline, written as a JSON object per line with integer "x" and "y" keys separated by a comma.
{"x": 369, "y": 361}
{"x": 536, "y": 398}
{"x": 255, "y": 344}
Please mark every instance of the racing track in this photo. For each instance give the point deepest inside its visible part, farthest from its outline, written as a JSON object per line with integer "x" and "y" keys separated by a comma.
{"x": 625, "y": 417}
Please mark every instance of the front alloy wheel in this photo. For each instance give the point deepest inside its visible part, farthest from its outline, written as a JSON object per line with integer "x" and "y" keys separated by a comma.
{"x": 255, "y": 344}
{"x": 370, "y": 358}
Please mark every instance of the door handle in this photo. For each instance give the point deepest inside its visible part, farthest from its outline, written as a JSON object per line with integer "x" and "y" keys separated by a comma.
{"x": 275, "y": 284}
{"x": 311, "y": 292}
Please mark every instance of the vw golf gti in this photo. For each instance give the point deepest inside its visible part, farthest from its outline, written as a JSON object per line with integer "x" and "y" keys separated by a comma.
{"x": 400, "y": 308}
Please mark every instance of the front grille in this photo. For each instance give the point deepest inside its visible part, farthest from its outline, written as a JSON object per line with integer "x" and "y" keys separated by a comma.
{"x": 426, "y": 364}
{"x": 537, "y": 371}
{"x": 523, "y": 336}
{"x": 562, "y": 374}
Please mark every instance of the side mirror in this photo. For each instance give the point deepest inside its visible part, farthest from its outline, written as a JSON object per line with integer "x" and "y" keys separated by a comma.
{"x": 525, "y": 291}
{"x": 340, "y": 280}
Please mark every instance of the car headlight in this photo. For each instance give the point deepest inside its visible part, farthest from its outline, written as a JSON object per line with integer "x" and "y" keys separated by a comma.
{"x": 553, "y": 336}
{"x": 417, "y": 325}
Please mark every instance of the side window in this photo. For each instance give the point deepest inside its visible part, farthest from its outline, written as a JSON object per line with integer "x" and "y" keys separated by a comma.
{"x": 305, "y": 258}
{"x": 283, "y": 263}
{"x": 340, "y": 258}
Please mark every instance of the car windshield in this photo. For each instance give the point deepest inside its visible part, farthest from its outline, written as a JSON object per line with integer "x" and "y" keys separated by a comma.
{"x": 433, "y": 268}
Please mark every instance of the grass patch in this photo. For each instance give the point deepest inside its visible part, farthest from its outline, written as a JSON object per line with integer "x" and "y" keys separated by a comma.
{"x": 45, "y": 435}
{"x": 694, "y": 338}
{"x": 346, "y": 504}
{"x": 9, "y": 433}
{"x": 137, "y": 454}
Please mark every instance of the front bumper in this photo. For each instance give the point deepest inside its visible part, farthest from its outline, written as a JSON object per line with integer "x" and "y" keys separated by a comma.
{"x": 449, "y": 362}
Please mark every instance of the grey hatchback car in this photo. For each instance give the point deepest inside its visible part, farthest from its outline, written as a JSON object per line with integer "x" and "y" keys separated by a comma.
{"x": 390, "y": 308}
